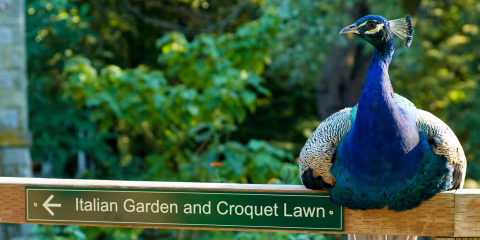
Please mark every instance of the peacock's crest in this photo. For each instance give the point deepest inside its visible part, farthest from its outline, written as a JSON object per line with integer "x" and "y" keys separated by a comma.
{"x": 403, "y": 28}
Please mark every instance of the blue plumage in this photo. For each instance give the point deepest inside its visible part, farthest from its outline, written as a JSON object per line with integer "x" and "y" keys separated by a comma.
{"x": 396, "y": 188}
{"x": 387, "y": 179}
{"x": 385, "y": 152}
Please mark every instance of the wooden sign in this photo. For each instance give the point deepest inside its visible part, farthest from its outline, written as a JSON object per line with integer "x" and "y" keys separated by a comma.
{"x": 217, "y": 209}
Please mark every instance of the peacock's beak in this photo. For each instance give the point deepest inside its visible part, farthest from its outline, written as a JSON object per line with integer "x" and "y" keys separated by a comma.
{"x": 350, "y": 29}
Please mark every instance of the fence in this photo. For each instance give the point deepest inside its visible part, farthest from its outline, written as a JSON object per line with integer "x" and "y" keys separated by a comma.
{"x": 452, "y": 214}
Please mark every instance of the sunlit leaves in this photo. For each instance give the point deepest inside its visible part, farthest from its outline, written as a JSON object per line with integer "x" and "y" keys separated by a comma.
{"x": 209, "y": 86}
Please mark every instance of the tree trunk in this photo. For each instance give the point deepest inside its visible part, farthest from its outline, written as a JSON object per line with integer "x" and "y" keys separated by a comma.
{"x": 342, "y": 78}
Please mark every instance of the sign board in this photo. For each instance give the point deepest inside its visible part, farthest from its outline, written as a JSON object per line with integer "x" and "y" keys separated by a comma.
{"x": 210, "y": 209}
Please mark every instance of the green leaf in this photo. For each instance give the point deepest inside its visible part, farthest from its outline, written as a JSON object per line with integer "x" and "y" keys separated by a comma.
{"x": 248, "y": 97}
{"x": 236, "y": 161}
{"x": 193, "y": 109}
{"x": 84, "y": 9}
{"x": 256, "y": 145}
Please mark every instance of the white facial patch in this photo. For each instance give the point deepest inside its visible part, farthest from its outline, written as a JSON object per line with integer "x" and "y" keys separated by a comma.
{"x": 376, "y": 29}
{"x": 359, "y": 26}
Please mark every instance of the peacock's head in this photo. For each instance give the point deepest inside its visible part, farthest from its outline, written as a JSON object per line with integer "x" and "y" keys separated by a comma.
{"x": 378, "y": 31}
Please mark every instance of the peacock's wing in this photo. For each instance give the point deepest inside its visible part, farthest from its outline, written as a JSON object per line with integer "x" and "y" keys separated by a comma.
{"x": 316, "y": 157}
{"x": 444, "y": 142}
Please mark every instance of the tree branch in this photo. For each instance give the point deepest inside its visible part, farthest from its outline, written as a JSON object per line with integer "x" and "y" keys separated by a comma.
{"x": 152, "y": 21}
{"x": 237, "y": 10}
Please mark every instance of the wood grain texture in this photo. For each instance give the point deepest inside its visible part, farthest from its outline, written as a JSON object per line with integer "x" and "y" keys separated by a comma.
{"x": 434, "y": 217}
{"x": 455, "y": 238}
{"x": 379, "y": 237}
{"x": 467, "y": 213}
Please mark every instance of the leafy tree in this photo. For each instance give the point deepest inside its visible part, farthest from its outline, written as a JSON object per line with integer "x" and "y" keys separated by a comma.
{"x": 158, "y": 121}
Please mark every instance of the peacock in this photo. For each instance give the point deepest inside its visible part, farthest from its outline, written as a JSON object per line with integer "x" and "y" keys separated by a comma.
{"x": 383, "y": 152}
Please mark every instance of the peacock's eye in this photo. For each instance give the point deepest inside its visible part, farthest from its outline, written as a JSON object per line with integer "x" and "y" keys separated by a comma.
{"x": 371, "y": 25}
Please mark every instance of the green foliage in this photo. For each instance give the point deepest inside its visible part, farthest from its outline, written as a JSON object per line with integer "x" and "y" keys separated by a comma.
{"x": 186, "y": 121}
{"x": 55, "y": 29}
{"x": 58, "y": 232}
{"x": 278, "y": 235}
{"x": 307, "y": 33}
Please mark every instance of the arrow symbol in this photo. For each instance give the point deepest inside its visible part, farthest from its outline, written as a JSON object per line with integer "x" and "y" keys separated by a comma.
{"x": 47, "y": 205}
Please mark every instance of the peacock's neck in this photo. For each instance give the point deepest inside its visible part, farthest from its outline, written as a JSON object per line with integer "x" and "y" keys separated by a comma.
{"x": 382, "y": 127}
{"x": 377, "y": 92}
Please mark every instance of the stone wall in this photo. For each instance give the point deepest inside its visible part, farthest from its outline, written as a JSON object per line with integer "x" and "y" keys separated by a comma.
{"x": 15, "y": 138}
{"x": 14, "y": 135}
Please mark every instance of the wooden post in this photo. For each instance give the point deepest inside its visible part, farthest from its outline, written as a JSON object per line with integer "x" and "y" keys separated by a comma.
{"x": 467, "y": 213}
{"x": 455, "y": 238}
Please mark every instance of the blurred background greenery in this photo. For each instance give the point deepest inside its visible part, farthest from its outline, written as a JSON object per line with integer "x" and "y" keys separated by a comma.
{"x": 224, "y": 91}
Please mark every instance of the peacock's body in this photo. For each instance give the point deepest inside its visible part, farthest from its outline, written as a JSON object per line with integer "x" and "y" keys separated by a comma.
{"x": 384, "y": 151}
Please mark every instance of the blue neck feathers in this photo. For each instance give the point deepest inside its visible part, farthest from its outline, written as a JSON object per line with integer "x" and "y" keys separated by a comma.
{"x": 383, "y": 133}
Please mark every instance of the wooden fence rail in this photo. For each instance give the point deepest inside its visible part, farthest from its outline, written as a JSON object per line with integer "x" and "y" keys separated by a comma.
{"x": 453, "y": 214}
